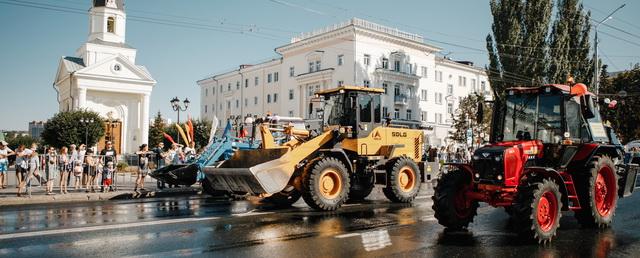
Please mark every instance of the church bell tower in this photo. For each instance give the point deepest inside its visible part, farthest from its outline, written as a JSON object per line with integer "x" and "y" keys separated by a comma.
{"x": 107, "y": 21}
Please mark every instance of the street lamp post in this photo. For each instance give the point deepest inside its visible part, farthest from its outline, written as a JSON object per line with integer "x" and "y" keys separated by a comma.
{"x": 175, "y": 104}
{"x": 86, "y": 122}
{"x": 596, "y": 62}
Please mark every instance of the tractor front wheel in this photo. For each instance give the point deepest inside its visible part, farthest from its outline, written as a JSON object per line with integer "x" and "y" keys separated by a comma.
{"x": 598, "y": 193}
{"x": 453, "y": 209}
{"x": 325, "y": 184}
{"x": 537, "y": 210}
{"x": 403, "y": 181}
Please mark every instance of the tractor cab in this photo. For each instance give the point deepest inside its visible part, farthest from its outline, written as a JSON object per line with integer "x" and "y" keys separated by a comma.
{"x": 355, "y": 110}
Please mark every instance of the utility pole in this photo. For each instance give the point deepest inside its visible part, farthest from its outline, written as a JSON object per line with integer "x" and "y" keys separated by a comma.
{"x": 596, "y": 61}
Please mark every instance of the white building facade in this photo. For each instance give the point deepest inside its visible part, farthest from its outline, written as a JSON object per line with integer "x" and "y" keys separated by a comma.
{"x": 103, "y": 77}
{"x": 419, "y": 85}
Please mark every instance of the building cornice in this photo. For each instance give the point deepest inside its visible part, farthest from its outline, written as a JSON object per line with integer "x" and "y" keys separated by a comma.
{"x": 391, "y": 75}
{"x": 451, "y": 63}
{"x": 315, "y": 76}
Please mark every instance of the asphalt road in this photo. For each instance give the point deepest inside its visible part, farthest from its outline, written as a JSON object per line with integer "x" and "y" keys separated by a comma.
{"x": 196, "y": 225}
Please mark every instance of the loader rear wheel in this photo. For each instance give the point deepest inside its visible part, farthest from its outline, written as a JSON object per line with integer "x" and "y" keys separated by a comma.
{"x": 325, "y": 184}
{"x": 598, "y": 194}
{"x": 537, "y": 210}
{"x": 453, "y": 209}
{"x": 403, "y": 181}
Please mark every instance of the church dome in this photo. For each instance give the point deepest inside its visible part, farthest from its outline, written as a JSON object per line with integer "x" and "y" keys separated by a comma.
{"x": 117, "y": 4}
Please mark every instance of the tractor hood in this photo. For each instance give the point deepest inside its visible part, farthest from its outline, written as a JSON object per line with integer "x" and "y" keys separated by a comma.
{"x": 502, "y": 163}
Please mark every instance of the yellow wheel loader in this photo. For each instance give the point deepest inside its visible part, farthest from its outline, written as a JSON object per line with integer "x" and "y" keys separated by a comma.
{"x": 356, "y": 150}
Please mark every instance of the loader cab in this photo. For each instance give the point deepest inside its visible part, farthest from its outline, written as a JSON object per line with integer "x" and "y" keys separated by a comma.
{"x": 355, "y": 110}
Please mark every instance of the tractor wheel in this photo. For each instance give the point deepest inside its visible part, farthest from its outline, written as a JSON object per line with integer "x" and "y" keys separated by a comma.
{"x": 403, "y": 180}
{"x": 207, "y": 188}
{"x": 452, "y": 208}
{"x": 537, "y": 210}
{"x": 598, "y": 194}
{"x": 325, "y": 184}
{"x": 360, "y": 188}
{"x": 284, "y": 199}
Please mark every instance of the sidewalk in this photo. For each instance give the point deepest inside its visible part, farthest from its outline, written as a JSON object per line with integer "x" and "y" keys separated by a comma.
{"x": 8, "y": 196}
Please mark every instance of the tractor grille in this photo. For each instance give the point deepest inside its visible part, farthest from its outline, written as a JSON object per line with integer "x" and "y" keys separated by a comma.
{"x": 489, "y": 163}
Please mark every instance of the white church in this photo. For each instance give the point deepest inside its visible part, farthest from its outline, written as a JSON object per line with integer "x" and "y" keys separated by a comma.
{"x": 103, "y": 77}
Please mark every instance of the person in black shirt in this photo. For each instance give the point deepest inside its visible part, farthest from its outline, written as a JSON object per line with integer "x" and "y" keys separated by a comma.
{"x": 108, "y": 154}
{"x": 144, "y": 156}
{"x": 159, "y": 156}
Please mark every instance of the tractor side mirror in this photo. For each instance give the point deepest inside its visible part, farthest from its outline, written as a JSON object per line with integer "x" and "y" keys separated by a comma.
{"x": 588, "y": 107}
{"x": 480, "y": 114}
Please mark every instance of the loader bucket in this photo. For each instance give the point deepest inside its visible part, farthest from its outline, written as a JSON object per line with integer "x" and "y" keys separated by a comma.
{"x": 240, "y": 172}
{"x": 176, "y": 174}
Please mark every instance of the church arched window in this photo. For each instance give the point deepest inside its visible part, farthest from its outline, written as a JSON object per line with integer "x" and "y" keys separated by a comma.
{"x": 111, "y": 24}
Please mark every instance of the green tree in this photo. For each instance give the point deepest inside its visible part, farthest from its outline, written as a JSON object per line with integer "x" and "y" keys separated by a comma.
{"x": 64, "y": 128}
{"x": 569, "y": 44}
{"x": 155, "y": 130}
{"x": 465, "y": 118}
{"x": 625, "y": 117}
{"x": 202, "y": 131}
{"x": 15, "y": 140}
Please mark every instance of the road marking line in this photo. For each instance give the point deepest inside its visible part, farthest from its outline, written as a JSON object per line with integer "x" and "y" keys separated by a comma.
{"x": 251, "y": 213}
{"x": 102, "y": 227}
{"x": 348, "y": 235}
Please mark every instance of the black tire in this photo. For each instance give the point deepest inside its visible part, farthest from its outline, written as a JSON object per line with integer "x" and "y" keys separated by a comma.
{"x": 360, "y": 188}
{"x": 403, "y": 180}
{"x": 451, "y": 209}
{"x": 326, "y": 199}
{"x": 206, "y": 187}
{"x": 591, "y": 214}
{"x": 537, "y": 210}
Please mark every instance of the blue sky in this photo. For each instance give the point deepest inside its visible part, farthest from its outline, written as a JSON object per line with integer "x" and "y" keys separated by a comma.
{"x": 34, "y": 39}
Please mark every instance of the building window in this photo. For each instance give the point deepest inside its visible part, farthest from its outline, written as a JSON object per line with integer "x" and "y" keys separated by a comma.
{"x": 237, "y": 103}
{"x": 213, "y": 90}
{"x": 385, "y": 112}
{"x": 438, "y": 118}
{"x": 221, "y": 89}
{"x": 310, "y": 91}
{"x": 396, "y": 113}
{"x": 408, "y": 114}
{"x": 449, "y": 89}
{"x": 291, "y": 113}
{"x": 424, "y": 71}
{"x": 310, "y": 67}
{"x": 396, "y": 66}
{"x": 438, "y": 98}
{"x": 423, "y": 95}
{"x": 366, "y": 83}
{"x": 268, "y": 98}
{"x": 318, "y": 65}
{"x": 269, "y": 78}
{"x": 410, "y": 69}
{"x": 340, "y": 59}
{"x": 423, "y": 116}
{"x": 213, "y": 107}
{"x": 111, "y": 25}
{"x": 438, "y": 76}
{"x": 206, "y": 92}
{"x": 275, "y": 76}
{"x": 246, "y": 83}
{"x": 473, "y": 85}
{"x": 462, "y": 81}
{"x": 385, "y": 63}
{"x": 340, "y": 83}
{"x": 229, "y": 87}
{"x": 292, "y": 71}
{"x": 275, "y": 97}
{"x": 483, "y": 87}
{"x": 385, "y": 86}
{"x": 367, "y": 60}
{"x": 237, "y": 85}
{"x": 205, "y": 108}
{"x": 396, "y": 90}
{"x": 255, "y": 100}
{"x": 450, "y": 108}
{"x": 255, "y": 81}
{"x": 228, "y": 104}
{"x": 246, "y": 102}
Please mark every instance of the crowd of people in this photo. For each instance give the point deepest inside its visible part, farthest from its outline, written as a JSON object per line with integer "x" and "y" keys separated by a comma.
{"x": 449, "y": 154}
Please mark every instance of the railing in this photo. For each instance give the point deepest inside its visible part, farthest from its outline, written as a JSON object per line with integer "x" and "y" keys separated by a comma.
{"x": 360, "y": 23}
{"x": 401, "y": 99}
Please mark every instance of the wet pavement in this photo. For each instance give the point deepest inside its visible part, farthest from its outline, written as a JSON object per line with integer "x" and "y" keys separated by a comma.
{"x": 197, "y": 225}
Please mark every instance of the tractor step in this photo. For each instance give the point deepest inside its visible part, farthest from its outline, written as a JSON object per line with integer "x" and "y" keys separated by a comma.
{"x": 572, "y": 194}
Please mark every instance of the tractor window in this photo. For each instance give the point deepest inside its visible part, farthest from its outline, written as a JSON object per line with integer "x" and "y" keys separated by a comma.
{"x": 376, "y": 109}
{"x": 365, "y": 108}
{"x": 549, "y": 126}
{"x": 520, "y": 117}
{"x": 574, "y": 118}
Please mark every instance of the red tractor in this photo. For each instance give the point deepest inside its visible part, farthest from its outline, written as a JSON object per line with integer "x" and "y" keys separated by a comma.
{"x": 549, "y": 152}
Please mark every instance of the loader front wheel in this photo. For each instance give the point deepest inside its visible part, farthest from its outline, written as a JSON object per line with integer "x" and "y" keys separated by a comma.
{"x": 325, "y": 184}
{"x": 403, "y": 181}
{"x": 284, "y": 199}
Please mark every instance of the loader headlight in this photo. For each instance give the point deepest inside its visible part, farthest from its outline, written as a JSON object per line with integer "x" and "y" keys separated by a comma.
{"x": 342, "y": 130}
{"x": 497, "y": 158}
{"x": 477, "y": 175}
{"x": 499, "y": 177}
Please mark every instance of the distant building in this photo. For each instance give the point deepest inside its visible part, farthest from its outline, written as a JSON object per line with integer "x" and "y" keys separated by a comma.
{"x": 418, "y": 84}
{"x": 36, "y": 128}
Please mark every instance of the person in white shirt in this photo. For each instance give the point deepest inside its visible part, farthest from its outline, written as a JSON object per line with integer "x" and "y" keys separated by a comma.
{"x": 5, "y": 152}
{"x": 31, "y": 155}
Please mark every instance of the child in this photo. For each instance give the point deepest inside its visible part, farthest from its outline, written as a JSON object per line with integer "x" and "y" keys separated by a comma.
{"x": 107, "y": 174}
